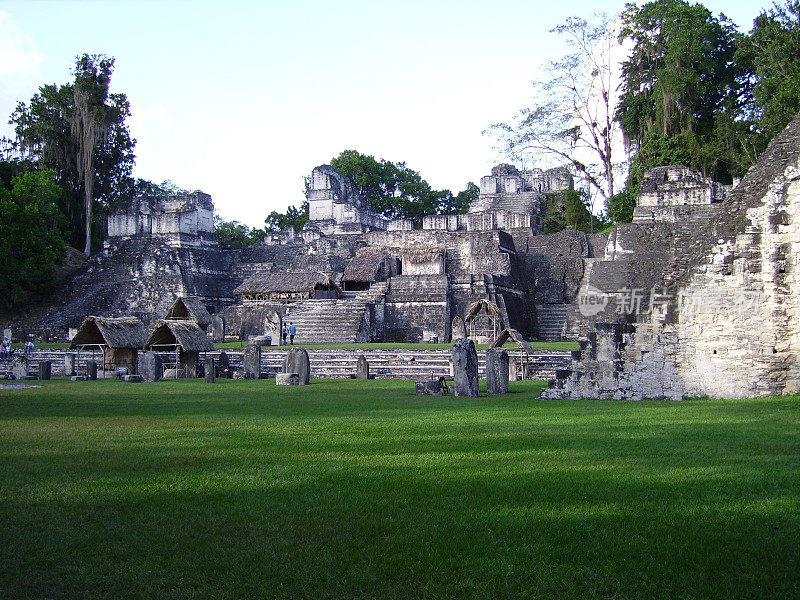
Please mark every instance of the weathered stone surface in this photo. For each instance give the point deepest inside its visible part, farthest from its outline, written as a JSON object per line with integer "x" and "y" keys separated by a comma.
{"x": 19, "y": 367}
{"x": 69, "y": 364}
{"x": 132, "y": 378}
{"x": 465, "y": 368}
{"x": 459, "y": 328}
{"x": 91, "y": 370}
{"x": 287, "y": 379}
{"x": 362, "y": 368}
{"x": 296, "y": 361}
{"x": 497, "y": 367}
{"x": 429, "y": 387}
{"x": 45, "y": 370}
{"x": 217, "y": 328}
{"x": 150, "y": 366}
{"x": 210, "y": 369}
{"x": 173, "y": 374}
{"x": 512, "y": 368}
{"x": 251, "y": 361}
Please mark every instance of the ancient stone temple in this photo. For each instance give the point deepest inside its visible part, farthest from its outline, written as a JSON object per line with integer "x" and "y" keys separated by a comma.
{"x": 707, "y": 300}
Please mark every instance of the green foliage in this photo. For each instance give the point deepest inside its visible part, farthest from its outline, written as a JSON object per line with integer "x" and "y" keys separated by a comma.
{"x": 570, "y": 210}
{"x": 31, "y": 243}
{"x": 232, "y": 234}
{"x": 360, "y": 489}
{"x": 620, "y": 206}
{"x": 293, "y": 217}
{"x": 773, "y": 50}
{"x": 392, "y": 189}
{"x": 47, "y": 134}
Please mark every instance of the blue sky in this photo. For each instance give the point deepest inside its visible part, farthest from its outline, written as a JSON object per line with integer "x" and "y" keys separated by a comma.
{"x": 241, "y": 99}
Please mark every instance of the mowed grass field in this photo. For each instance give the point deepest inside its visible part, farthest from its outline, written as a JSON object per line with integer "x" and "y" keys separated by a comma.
{"x": 360, "y": 489}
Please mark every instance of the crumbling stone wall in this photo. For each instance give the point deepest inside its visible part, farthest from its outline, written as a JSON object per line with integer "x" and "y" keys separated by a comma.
{"x": 728, "y": 328}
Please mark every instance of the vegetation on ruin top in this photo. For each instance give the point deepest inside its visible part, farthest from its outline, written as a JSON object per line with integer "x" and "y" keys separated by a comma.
{"x": 349, "y": 489}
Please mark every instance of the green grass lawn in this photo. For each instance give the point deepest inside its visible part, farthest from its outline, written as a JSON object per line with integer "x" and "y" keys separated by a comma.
{"x": 360, "y": 489}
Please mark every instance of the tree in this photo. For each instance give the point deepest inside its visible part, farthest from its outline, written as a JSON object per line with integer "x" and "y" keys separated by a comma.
{"x": 79, "y": 131}
{"x": 392, "y": 189}
{"x": 569, "y": 209}
{"x": 30, "y": 235}
{"x": 293, "y": 217}
{"x": 572, "y": 117}
{"x": 683, "y": 94}
{"x": 232, "y": 234}
{"x": 773, "y": 50}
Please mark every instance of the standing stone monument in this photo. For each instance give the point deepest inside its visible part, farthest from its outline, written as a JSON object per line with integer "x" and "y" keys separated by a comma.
{"x": 459, "y": 328}
{"x": 251, "y": 361}
{"x": 19, "y": 367}
{"x": 429, "y": 387}
{"x": 45, "y": 370}
{"x": 496, "y": 371}
{"x": 150, "y": 366}
{"x": 465, "y": 368}
{"x": 91, "y": 370}
{"x": 362, "y": 368}
{"x": 512, "y": 368}
{"x": 210, "y": 368}
{"x": 69, "y": 364}
{"x": 217, "y": 329}
{"x": 296, "y": 361}
{"x": 224, "y": 364}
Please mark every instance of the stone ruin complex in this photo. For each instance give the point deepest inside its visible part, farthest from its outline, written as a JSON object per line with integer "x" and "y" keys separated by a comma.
{"x": 696, "y": 296}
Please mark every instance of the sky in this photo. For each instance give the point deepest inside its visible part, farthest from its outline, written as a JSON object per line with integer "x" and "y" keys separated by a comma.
{"x": 242, "y": 99}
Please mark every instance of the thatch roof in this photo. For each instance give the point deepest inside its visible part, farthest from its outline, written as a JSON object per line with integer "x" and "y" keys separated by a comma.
{"x": 514, "y": 335}
{"x": 291, "y": 282}
{"x": 475, "y": 308}
{"x": 114, "y": 332}
{"x": 189, "y": 308}
{"x": 365, "y": 265}
{"x": 186, "y": 334}
{"x": 421, "y": 255}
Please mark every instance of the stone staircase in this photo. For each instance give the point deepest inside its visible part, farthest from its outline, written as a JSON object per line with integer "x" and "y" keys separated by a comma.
{"x": 552, "y": 318}
{"x": 336, "y": 364}
{"x": 329, "y": 321}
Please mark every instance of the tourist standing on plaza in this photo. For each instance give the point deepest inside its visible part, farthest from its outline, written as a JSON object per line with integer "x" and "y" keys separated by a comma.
{"x": 292, "y": 332}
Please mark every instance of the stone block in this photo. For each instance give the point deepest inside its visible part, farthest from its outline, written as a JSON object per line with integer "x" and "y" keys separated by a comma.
{"x": 459, "y": 328}
{"x": 69, "y": 364}
{"x": 430, "y": 387}
{"x": 210, "y": 369}
{"x": 132, "y": 378}
{"x": 362, "y": 368}
{"x": 296, "y": 361}
{"x": 45, "y": 370}
{"x": 465, "y": 368}
{"x": 78, "y": 378}
{"x": 91, "y": 370}
{"x": 496, "y": 371}
{"x": 172, "y": 373}
{"x": 251, "y": 361}
{"x": 19, "y": 367}
{"x": 150, "y": 366}
{"x": 287, "y": 379}
{"x": 217, "y": 329}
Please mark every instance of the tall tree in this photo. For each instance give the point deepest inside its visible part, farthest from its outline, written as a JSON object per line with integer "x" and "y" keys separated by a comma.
{"x": 30, "y": 235}
{"x": 571, "y": 119}
{"x": 392, "y": 189}
{"x": 773, "y": 50}
{"x": 79, "y": 130}
{"x": 683, "y": 94}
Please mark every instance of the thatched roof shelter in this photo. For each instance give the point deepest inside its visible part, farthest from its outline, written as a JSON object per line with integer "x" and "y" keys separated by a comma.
{"x": 284, "y": 282}
{"x": 186, "y": 335}
{"x": 113, "y": 332}
{"x": 514, "y": 335}
{"x": 365, "y": 266}
{"x": 189, "y": 308}
{"x": 474, "y": 309}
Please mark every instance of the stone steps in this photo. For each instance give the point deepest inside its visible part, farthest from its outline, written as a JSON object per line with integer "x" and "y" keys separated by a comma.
{"x": 327, "y": 321}
{"x": 551, "y": 320}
